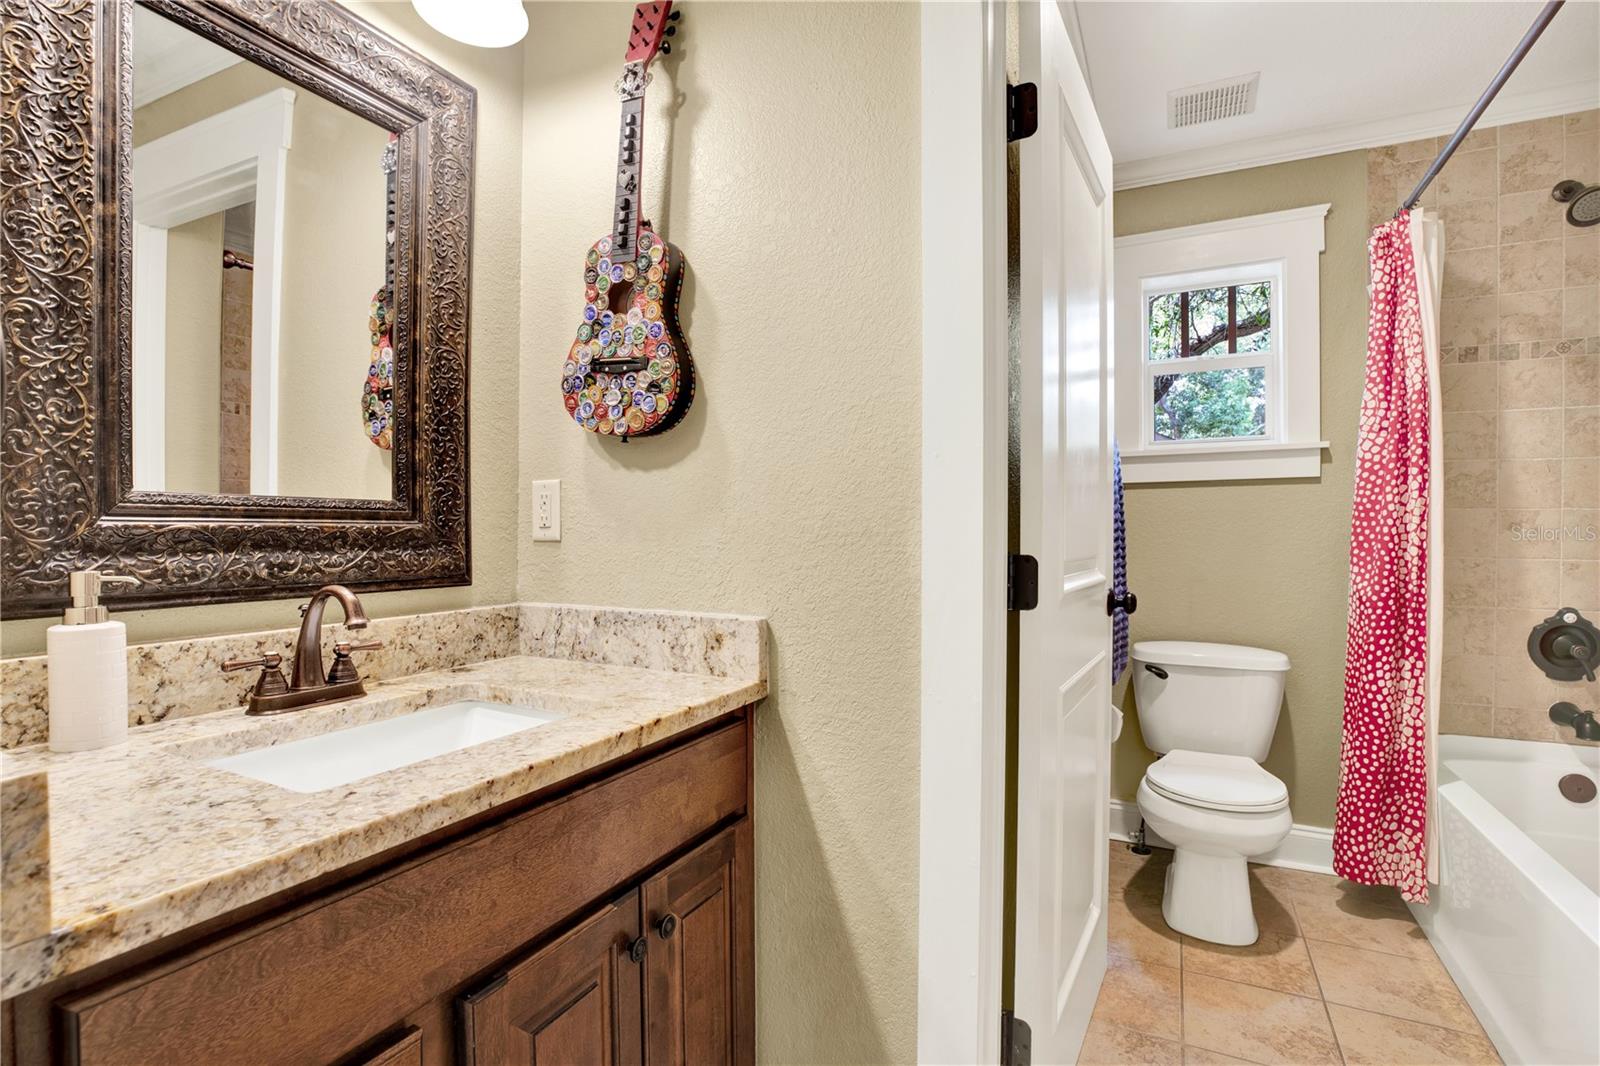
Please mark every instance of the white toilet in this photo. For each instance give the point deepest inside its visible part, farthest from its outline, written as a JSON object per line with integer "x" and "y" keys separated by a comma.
{"x": 1211, "y": 710}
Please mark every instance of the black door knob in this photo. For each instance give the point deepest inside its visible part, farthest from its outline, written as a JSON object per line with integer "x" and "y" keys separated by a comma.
{"x": 667, "y": 926}
{"x": 637, "y": 948}
{"x": 1128, "y": 603}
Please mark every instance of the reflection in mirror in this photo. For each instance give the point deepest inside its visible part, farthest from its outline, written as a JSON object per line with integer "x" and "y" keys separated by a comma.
{"x": 262, "y": 279}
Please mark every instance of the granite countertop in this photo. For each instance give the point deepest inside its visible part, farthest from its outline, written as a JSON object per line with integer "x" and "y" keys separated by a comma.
{"x": 144, "y": 840}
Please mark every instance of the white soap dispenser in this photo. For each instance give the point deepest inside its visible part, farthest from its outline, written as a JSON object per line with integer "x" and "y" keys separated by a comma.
{"x": 87, "y": 669}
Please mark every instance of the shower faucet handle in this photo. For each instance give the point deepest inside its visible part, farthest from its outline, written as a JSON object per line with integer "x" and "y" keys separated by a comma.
{"x": 1582, "y": 653}
{"x": 1565, "y": 646}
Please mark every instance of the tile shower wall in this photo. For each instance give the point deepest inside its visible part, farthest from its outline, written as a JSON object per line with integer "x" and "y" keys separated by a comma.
{"x": 1520, "y": 344}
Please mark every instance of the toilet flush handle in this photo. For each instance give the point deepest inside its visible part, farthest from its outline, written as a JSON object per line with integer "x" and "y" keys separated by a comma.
{"x": 1154, "y": 669}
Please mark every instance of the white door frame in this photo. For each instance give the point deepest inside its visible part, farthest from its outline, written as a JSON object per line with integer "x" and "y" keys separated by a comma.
{"x": 963, "y": 532}
{"x": 224, "y": 160}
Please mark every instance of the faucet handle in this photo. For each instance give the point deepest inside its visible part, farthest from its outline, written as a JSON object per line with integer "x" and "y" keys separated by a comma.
{"x": 343, "y": 668}
{"x": 345, "y": 647}
{"x": 271, "y": 682}
{"x": 271, "y": 661}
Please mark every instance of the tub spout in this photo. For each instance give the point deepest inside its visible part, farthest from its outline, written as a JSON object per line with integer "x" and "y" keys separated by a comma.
{"x": 1583, "y": 723}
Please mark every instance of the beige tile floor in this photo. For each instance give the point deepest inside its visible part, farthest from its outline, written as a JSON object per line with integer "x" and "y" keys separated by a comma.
{"x": 1341, "y": 974}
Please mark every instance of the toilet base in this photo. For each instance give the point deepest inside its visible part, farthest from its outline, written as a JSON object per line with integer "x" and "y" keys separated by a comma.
{"x": 1208, "y": 897}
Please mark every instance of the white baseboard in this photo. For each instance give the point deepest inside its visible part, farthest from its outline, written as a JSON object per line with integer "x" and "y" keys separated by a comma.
{"x": 1307, "y": 847}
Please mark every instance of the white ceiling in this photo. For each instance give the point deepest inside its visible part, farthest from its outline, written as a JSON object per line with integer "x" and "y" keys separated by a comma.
{"x": 166, "y": 57}
{"x": 1334, "y": 76}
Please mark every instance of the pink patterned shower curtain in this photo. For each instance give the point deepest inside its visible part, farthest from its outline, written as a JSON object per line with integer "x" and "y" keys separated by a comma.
{"x": 1382, "y": 829}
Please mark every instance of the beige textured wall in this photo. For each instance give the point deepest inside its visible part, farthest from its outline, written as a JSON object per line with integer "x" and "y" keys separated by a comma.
{"x": 497, "y": 76}
{"x": 791, "y": 488}
{"x": 194, "y": 354}
{"x": 333, "y": 262}
{"x": 1264, "y": 563}
{"x": 1520, "y": 347}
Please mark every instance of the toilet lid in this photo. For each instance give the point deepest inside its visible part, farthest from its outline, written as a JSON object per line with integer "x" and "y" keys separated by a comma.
{"x": 1217, "y": 782}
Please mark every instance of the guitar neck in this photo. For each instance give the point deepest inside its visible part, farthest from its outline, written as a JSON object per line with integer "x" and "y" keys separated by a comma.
{"x": 630, "y": 153}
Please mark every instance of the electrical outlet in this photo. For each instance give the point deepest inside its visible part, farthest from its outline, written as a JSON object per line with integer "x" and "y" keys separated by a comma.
{"x": 547, "y": 510}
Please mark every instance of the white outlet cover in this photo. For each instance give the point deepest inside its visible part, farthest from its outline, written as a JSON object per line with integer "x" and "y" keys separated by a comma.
{"x": 547, "y": 510}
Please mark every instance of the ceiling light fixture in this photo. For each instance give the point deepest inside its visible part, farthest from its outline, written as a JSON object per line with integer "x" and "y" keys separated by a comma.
{"x": 483, "y": 23}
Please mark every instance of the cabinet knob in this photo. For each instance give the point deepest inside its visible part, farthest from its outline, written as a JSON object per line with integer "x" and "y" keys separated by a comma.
{"x": 637, "y": 948}
{"x": 667, "y": 926}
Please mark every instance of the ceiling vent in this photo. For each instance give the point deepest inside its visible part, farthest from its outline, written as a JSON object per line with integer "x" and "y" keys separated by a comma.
{"x": 1228, "y": 98}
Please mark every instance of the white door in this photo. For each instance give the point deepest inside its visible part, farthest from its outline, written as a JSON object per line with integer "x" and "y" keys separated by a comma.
{"x": 1065, "y": 652}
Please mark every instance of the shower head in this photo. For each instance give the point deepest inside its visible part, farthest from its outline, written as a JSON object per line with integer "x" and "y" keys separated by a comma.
{"x": 1583, "y": 201}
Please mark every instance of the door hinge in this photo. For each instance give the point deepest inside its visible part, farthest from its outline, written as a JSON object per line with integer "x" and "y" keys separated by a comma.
{"x": 1022, "y": 582}
{"x": 1016, "y": 1041}
{"x": 1022, "y": 111}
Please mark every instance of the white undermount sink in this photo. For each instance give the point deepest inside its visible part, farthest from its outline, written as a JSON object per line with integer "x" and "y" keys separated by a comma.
{"x": 338, "y": 758}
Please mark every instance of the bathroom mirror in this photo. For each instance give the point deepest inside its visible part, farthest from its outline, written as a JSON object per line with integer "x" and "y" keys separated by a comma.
{"x": 236, "y": 353}
{"x": 261, "y": 279}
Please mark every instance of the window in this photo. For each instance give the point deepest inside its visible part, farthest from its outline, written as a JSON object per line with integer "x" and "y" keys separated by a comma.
{"x": 1207, "y": 352}
{"x": 1217, "y": 349}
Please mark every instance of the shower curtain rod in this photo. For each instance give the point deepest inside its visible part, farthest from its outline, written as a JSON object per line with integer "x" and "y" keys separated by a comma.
{"x": 1539, "y": 23}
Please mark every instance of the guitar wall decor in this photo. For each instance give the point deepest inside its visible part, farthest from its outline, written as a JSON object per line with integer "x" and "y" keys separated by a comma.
{"x": 628, "y": 373}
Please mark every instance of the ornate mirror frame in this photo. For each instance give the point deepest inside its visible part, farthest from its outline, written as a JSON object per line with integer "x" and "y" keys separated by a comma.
{"x": 66, "y": 496}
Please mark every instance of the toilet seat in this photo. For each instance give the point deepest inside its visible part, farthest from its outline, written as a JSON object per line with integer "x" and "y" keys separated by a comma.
{"x": 1216, "y": 782}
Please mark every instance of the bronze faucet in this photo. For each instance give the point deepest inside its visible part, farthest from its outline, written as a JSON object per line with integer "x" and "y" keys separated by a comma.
{"x": 309, "y": 686}
{"x": 308, "y": 645}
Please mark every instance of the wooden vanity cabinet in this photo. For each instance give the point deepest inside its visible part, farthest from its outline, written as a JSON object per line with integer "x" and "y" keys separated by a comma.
{"x": 699, "y": 997}
{"x": 661, "y": 976}
{"x": 404, "y": 1050}
{"x": 575, "y": 1000}
{"x": 536, "y": 935}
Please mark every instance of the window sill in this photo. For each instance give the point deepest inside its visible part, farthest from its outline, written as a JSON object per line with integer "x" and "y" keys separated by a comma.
{"x": 1223, "y": 462}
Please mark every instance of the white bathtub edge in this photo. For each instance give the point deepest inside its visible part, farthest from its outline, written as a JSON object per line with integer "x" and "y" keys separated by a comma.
{"x": 1546, "y": 902}
{"x": 1554, "y": 882}
{"x": 1467, "y": 985}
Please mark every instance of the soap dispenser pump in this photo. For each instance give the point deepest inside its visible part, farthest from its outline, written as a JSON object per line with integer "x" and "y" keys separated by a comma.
{"x": 87, "y": 668}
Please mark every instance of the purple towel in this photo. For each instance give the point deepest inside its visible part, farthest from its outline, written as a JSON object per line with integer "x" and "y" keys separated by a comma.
{"x": 1119, "y": 569}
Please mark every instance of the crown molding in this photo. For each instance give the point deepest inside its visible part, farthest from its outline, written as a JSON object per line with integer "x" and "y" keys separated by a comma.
{"x": 1304, "y": 144}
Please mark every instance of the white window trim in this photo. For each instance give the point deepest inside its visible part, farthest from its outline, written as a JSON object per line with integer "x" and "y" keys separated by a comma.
{"x": 1284, "y": 247}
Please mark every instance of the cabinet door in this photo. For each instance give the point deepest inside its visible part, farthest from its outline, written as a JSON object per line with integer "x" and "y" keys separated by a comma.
{"x": 699, "y": 969}
{"x": 574, "y": 1002}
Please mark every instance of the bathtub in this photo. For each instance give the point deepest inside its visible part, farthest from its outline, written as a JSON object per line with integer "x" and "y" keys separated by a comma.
{"x": 1516, "y": 915}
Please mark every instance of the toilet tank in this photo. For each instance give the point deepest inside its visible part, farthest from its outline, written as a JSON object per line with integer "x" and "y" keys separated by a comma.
{"x": 1221, "y": 698}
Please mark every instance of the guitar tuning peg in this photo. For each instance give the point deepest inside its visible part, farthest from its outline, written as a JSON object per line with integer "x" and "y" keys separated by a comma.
{"x": 666, "y": 49}
{"x": 672, "y": 31}
{"x": 675, "y": 16}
